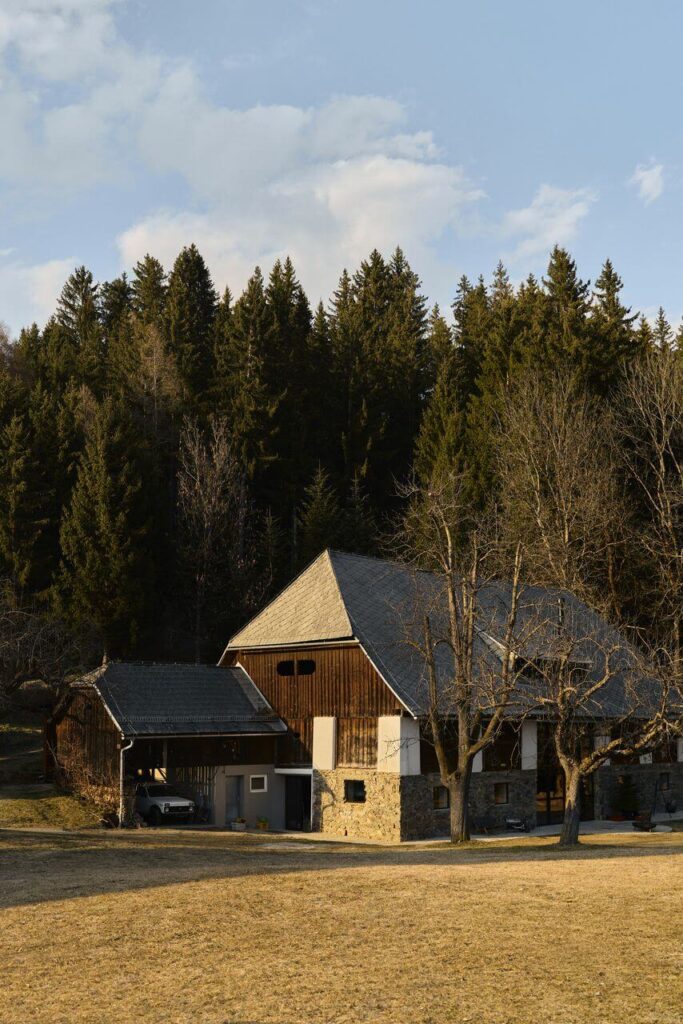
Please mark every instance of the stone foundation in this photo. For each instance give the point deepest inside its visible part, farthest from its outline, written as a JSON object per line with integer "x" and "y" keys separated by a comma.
{"x": 644, "y": 778}
{"x": 420, "y": 820}
{"x": 378, "y": 818}
{"x": 401, "y": 807}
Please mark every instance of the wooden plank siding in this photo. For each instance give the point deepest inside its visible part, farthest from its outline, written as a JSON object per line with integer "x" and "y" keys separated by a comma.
{"x": 356, "y": 742}
{"x": 343, "y": 684}
{"x": 87, "y": 741}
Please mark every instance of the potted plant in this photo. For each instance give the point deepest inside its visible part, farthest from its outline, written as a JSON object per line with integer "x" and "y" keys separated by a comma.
{"x": 238, "y": 824}
{"x": 262, "y": 824}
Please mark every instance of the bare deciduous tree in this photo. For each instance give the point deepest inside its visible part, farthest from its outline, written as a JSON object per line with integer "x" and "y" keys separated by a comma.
{"x": 651, "y": 424}
{"x": 560, "y": 495}
{"x": 597, "y": 692}
{"x": 212, "y": 510}
{"x": 464, "y": 628}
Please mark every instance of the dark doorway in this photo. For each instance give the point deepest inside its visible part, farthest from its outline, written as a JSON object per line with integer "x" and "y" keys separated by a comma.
{"x": 298, "y": 803}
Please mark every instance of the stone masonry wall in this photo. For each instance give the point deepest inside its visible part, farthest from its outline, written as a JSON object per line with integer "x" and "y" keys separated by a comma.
{"x": 378, "y": 818}
{"x": 644, "y": 778}
{"x": 419, "y": 819}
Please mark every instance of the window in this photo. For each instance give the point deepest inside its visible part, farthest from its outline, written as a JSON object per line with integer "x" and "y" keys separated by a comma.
{"x": 505, "y": 753}
{"x": 258, "y": 783}
{"x": 354, "y": 791}
{"x": 305, "y": 667}
{"x": 285, "y": 668}
{"x": 441, "y": 798}
{"x": 501, "y": 793}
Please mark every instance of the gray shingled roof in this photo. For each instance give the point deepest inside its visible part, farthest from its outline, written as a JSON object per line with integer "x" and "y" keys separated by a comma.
{"x": 182, "y": 700}
{"x": 385, "y": 603}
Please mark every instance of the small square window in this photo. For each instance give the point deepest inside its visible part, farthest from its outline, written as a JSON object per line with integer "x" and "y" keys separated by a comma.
{"x": 501, "y": 793}
{"x": 354, "y": 791}
{"x": 258, "y": 783}
{"x": 441, "y": 798}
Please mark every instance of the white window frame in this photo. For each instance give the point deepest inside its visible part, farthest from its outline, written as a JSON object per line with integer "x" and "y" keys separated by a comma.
{"x": 251, "y": 783}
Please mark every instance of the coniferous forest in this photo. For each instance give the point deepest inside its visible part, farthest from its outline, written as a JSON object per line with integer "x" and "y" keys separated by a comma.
{"x": 171, "y": 456}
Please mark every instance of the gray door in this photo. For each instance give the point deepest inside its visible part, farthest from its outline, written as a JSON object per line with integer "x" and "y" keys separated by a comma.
{"x": 233, "y": 797}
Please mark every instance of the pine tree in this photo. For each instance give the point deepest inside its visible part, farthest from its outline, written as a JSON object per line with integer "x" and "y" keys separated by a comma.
{"x": 566, "y": 339}
{"x": 21, "y": 523}
{"x": 117, "y": 323}
{"x": 440, "y": 441}
{"x": 287, "y": 381}
{"x": 104, "y": 573}
{"x": 662, "y": 335}
{"x": 191, "y": 305}
{"x": 240, "y": 390}
{"x": 359, "y": 529}
{"x": 148, "y": 290}
{"x": 320, "y": 520}
{"x": 612, "y": 341}
{"x": 78, "y": 314}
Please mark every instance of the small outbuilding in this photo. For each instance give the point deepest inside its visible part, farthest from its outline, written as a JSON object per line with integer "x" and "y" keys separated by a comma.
{"x": 208, "y": 730}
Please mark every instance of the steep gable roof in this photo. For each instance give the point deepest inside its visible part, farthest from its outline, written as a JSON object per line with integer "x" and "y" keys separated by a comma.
{"x": 380, "y": 604}
{"x": 182, "y": 700}
{"x": 309, "y": 609}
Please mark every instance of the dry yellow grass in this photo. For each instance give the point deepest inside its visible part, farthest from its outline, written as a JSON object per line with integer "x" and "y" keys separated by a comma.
{"x": 31, "y": 806}
{"x": 209, "y": 929}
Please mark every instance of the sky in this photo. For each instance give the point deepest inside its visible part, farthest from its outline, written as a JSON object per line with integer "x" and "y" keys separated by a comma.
{"x": 463, "y": 132}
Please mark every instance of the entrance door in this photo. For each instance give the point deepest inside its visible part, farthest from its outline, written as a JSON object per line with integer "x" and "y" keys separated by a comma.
{"x": 550, "y": 797}
{"x": 233, "y": 797}
{"x": 298, "y": 803}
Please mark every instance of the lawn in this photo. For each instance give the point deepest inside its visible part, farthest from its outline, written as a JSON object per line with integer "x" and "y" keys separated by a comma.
{"x": 41, "y": 805}
{"x": 21, "y": 747}
{"x": 179, "y": 927}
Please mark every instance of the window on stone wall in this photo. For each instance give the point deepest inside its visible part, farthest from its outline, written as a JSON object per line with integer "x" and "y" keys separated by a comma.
{"x": 354, "y": 791}
{"x": 440, "y": 796}
{"x": 501, "y": 793}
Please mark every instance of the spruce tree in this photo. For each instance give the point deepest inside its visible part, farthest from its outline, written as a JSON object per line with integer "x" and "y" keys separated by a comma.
{"x": 148, "y": 290}
{"x": 320, "y": 519}
{"x": 241, "y": 390}
{"x": 612, "y": 341}
{"x": 662, "y": 334}
{"x": 21, "y": 523}
{"x": 359, "y": 526}
{"x": 191, "y": 305}
{"x": 78, "y": 314}
{"x": 104, "y": 573}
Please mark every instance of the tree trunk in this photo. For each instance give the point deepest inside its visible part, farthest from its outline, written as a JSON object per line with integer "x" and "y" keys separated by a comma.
{"x": 459, "y": 795}
{"x": 572, "y": 809}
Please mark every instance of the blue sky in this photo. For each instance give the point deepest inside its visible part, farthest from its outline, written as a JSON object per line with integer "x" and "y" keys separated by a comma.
{"x": 463, "y": 132}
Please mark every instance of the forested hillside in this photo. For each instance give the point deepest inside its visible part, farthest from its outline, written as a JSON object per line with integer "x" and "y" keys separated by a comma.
{"x": 169, "y": 456}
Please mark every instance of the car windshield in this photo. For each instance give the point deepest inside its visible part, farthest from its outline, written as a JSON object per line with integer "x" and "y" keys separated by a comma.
{"x": 162, "y": 791}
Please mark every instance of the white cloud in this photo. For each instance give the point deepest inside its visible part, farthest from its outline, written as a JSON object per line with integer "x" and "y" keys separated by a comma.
{"x": 552, "y": 218}
{"x": 324, "y": 183}
{"x": 30, "y": 291}
{"x": 649, "y": 180}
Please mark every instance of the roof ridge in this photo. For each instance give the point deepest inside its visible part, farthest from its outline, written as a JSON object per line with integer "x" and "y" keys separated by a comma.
{"x": 384, "y": 561}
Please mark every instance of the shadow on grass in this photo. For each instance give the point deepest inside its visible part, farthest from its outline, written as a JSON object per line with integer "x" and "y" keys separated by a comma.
{"x": 40, "y": 866}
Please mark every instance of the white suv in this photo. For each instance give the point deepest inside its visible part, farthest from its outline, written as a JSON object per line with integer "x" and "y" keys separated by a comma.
{"x": 158, "y": 802}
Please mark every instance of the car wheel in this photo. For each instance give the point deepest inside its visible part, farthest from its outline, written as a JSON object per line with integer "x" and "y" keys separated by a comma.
{"x": 155, "y": 817}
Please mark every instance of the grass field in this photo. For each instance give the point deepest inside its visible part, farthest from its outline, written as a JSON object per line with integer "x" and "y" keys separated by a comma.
{"x": 21, "y": 748}
{"x": 208, "y": 928}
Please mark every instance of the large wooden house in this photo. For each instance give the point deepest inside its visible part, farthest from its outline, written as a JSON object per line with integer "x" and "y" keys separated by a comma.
{"x": 314, "y": 720}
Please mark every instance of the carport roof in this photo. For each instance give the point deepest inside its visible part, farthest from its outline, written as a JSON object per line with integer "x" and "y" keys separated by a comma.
{"x": 182, "y": 700}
